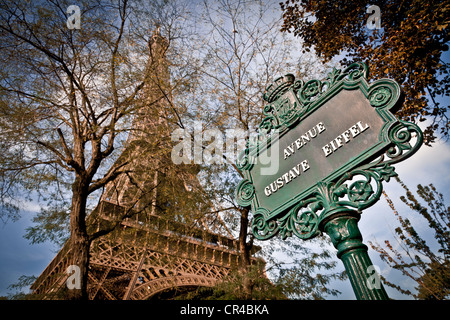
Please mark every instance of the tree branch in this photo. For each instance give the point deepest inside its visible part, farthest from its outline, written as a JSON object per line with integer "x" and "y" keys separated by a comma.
{"x": 112, "y": 173}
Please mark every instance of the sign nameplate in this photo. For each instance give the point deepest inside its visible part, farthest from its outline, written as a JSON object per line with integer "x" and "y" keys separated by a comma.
{"x": 316, "y": 135}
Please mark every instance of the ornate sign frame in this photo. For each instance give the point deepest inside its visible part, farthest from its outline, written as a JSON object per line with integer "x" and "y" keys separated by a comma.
{"x": 355, "y": 185}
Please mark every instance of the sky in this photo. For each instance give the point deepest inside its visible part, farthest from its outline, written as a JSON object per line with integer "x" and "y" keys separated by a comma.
{"x": 17, "y": 256}
{"x": 428, "y": 165}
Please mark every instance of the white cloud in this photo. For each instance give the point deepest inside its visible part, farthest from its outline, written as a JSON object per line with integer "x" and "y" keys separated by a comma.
{"x": 428, "y": 165}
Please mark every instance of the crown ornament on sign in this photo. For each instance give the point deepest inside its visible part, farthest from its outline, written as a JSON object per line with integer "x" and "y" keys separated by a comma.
{"x": 278, "y": 87}
{"x": 289, "y": 99}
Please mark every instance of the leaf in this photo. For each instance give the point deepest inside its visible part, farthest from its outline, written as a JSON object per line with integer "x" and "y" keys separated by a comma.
{"x": 386, "y": 172}
{"x": 341, "y": 190}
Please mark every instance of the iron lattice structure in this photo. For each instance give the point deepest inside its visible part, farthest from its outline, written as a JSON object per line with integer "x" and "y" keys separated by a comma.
{"x": 142, "y": 258}
{"x": 149, "y": 247}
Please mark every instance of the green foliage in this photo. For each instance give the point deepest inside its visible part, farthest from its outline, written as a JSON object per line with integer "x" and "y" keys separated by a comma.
{"x": 301, "y": 274}
{"x": 67, "y": 100}
{"x": 301, "y": 281}
{"x": 234, "y": 286}
{"x": 50, "y": 225}
{"x": 407, "y": 49}
{"x": 304, "y": 269}
{"x": 17, "y": 292}
{"x": 416, "y": 259}
{"x": 306, "y": 280}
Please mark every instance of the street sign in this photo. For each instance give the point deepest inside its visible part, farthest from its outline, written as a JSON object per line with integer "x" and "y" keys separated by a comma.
{"x": 322, "y": 153}
{"x": 322, "y": 145}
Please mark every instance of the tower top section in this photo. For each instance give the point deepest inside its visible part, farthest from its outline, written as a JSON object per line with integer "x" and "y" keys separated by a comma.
{"x": 157, "y": 41}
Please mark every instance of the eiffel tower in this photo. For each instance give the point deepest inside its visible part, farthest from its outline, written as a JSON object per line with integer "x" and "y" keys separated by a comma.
{"x": 153, "y": 247}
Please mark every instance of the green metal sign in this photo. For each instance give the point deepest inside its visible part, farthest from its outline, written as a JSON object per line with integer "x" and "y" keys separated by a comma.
{"x": 323, "y": 150}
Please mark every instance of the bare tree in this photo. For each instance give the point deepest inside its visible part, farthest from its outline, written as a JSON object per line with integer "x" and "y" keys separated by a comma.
{"x": 242, "y": 51}
{"x": 67, "y": 99}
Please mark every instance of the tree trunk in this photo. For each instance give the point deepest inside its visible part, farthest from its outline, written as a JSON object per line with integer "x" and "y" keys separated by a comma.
{"x": 245, "y": 249}
{"x": 79, "y": 240}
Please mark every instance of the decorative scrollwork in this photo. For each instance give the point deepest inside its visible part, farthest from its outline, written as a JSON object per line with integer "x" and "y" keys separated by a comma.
{"x": 301, "y": 221}
{"x": 360, "y": 191}
{"x": 355, "y": 71}
{"x": 380, "y": 96}
{"x": 304, "y": 219}
{"x": 268, "y": 109}
{"x": 245, "y": 192}
{"x": 261, "y": 228}
{"x": 401, "y": 135}
{"x": 352, "y": 72}
{"x": 243, "y": 159}
{"x": 311, "y": 89}
{"x": 359, "y": 186}
{"x": 298, "y": 84}
{"x": 284, "y": 110}
{"x": 268, "y": 124}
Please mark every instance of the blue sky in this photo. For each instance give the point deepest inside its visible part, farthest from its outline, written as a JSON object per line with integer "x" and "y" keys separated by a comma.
{"x": 17, "y": 256}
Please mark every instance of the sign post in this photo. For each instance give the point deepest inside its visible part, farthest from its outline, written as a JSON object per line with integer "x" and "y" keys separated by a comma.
{"x": 322, "y": 152}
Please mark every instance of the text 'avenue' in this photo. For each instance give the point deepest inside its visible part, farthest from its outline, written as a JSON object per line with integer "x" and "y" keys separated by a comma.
{"x": 328, "y": 149}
